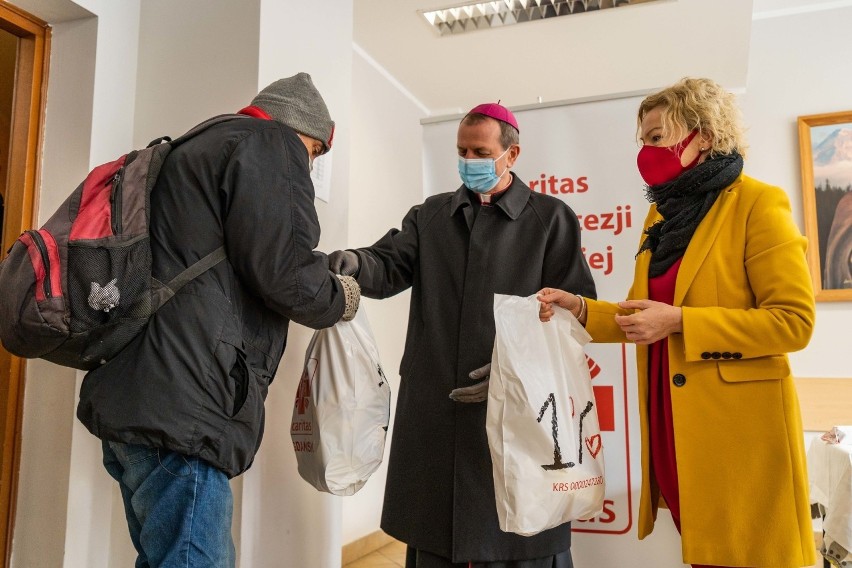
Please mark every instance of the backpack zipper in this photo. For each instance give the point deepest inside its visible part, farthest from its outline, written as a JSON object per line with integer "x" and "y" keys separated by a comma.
{"x": 116, "y": 202}
{"x": 45, "y": 259}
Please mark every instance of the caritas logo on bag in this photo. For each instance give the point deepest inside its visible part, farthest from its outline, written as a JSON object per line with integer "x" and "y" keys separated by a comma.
{"x": 341, "y": 408}
{"x": 302, "y": 426}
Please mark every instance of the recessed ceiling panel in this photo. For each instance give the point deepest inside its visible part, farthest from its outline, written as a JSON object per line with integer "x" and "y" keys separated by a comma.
{"x": 473, "y": 16}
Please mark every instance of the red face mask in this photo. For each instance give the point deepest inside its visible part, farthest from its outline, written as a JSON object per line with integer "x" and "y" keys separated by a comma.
{"x": 661, "y": 164}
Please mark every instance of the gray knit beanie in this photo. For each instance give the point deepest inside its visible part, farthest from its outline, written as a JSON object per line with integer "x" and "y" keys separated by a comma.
{"x": 295, "y": 101}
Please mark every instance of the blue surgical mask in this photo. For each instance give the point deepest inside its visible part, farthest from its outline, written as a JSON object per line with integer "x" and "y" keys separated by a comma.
{"x": 480, "y": 174}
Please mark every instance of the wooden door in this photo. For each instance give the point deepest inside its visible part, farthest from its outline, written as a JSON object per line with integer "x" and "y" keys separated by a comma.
{"x": 23, "y": 64}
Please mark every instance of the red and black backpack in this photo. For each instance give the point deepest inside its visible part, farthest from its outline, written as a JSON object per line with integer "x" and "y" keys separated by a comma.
{"x": 80, "y": 288}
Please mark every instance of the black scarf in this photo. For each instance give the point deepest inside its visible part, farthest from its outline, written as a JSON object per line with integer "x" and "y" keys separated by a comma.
{"x": 683, "y": 203}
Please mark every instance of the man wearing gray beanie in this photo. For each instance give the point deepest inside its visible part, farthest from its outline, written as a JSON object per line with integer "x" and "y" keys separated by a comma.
{"x": 180, "y": 410}
{"x": 295, "y": 101}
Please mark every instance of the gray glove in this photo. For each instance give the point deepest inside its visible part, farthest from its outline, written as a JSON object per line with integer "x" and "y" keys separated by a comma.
{"x": 477, "y": 392}
{"x": 344, "y": 262}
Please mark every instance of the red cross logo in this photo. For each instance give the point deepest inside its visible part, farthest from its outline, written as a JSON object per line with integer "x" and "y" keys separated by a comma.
{"x": 303, "y": 393}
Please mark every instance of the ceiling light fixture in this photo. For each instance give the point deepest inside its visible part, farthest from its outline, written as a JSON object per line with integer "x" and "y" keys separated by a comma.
{"x": 473, "y": 16}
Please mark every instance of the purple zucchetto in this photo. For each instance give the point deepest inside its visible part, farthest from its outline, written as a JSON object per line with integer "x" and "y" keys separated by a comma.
{"x": 497, "y": 112}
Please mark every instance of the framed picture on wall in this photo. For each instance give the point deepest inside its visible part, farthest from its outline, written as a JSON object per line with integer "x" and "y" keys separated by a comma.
{"x": 825, "y": 147}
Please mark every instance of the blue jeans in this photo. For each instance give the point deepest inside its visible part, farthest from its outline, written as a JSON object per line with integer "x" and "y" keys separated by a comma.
{"x": 178, "y": 508}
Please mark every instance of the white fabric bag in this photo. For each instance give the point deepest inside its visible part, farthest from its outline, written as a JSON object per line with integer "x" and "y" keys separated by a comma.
{"x": 542, "y": 423}
{"x": 342, "y": 408}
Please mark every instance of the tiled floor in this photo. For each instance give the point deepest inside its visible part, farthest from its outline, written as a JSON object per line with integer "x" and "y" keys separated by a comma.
{"x": 389, "y": 556}
{"x": 393, "y": 556}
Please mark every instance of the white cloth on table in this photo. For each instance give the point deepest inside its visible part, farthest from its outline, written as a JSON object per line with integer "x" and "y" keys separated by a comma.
{"x": 830, "y": 473}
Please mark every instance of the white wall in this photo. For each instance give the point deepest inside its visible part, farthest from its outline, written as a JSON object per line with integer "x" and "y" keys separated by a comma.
{"x": 282, "y": 516}
{"x": 386, "y": 180}
{"x": 93, "y": 496}
{"x": 197, "y": 59}
{"x": 799, "y": 64}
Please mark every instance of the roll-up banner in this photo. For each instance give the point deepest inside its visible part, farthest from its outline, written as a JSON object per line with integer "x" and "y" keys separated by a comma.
{"x": 585, "y": 155}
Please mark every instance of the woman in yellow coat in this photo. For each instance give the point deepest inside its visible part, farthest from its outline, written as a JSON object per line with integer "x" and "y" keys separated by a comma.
{"x": 721, "y": 293}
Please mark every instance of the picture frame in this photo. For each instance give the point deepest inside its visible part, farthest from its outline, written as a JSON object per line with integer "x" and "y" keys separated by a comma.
{"x": 825, "y": 149}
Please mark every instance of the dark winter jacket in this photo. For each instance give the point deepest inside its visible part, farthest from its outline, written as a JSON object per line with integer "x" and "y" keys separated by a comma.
{"x": 439, "y": 495}
{"x": 195, "y": 380}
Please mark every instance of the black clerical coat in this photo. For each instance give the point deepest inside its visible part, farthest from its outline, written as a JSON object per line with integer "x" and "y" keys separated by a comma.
{"x": 439, "y": 495}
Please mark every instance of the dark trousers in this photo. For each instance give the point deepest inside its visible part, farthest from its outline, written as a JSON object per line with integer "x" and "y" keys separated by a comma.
{"x": 420, "y": 559}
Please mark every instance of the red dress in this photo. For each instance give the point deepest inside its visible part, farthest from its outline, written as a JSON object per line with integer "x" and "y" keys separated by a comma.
{"x": 660, "y": 426}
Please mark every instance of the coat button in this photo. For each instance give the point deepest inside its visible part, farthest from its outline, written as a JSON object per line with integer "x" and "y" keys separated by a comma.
{"x": 679, "y": 380}
{"x": 726, "y": 355}
{"x": 717, "y": 355}
{"x": 737, "y": 355}
{"x": 705, "y": 355}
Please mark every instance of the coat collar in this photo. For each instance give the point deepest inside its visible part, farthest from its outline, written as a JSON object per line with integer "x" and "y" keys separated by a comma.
{"x": 512, "y": 203}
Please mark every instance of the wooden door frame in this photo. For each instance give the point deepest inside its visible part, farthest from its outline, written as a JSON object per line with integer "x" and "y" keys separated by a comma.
{"x": 20, "y": 206}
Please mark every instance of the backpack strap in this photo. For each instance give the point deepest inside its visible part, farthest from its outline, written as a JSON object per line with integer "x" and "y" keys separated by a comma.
{"x": 204, "y": 264}
{"x": 199, "y": 128}
{"x": 189, "y": 273}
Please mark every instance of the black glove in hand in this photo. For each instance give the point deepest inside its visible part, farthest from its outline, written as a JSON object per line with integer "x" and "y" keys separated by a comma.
{"x": 344, "y": 262}
{"x": 479, "y": 391}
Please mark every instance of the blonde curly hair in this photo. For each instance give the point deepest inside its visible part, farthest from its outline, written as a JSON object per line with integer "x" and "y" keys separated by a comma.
{"x": 699, "y": 104}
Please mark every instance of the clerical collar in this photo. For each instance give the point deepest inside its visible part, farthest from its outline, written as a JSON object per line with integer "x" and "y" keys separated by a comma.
{"x": 489, "y": 200}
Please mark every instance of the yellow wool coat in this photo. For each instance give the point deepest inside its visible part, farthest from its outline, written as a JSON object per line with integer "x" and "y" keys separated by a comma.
{"x": 746, "y": 296}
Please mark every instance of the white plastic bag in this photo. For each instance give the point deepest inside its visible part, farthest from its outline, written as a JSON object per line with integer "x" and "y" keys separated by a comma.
{"x": 542, "y": 424}
{"x": 342, "y": 408}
